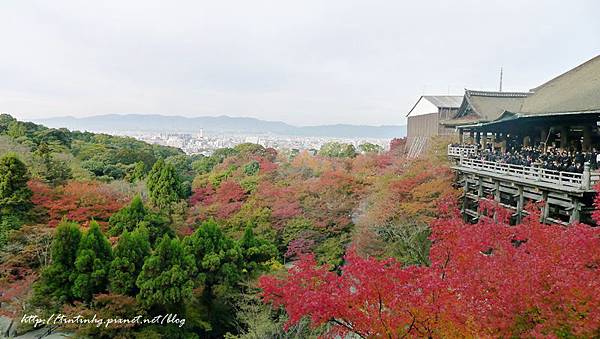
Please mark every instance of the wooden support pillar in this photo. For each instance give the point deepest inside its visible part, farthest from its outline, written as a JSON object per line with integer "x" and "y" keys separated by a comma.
{"x": 544, "y": 137}
{"x": 478, "y": 138}
{"x": 520, "y": 202}
{"x": 496, "y": 197}
{"x": 518, "y": 140}
{"x": 497, "y": 191}
{"x": 465, "y": 189}
{"x": 483, "y": 139}
{"x": 545, "y": 208}
{"x": 479, "y": 194}
{"x": 465, "y": 204}
{"x": 461, "y": 136}
{"x": 471, "y": 137}
{"x": 564, "y": 137}
{"x": 586, "y": 179}
{"x": 586, "y": 144}
{"x": 575, "y": 211}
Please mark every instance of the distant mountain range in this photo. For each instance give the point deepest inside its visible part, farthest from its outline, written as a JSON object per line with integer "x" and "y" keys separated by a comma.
{"x": 221, "y": 124}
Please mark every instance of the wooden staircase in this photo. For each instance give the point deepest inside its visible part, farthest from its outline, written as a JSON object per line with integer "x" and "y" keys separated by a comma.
{"x": 416, "y": 147}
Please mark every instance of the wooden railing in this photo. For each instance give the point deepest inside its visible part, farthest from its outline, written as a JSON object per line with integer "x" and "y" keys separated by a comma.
{"x": 465, "y": 151}
{"x": 583, "y": 180}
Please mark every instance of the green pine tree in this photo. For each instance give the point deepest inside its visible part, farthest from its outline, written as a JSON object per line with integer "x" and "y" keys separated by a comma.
{"x": 138, "y": 172}
{"x": 135, "y": 215}
{"x": 129, "y": 255}
{"x": 218, "y": 257}
{"x": 15, "y": 195}
{"x": 223, "y": 265}
{"x": 164, "y": 186}
{"x": 52, "y": 170}
{"x": 92, "y": 264}
{"x": 127, "y": 218}
{"x": 55, "y": 285}
{"x": 165, "y": 279}
{"x": 255, "y": 251}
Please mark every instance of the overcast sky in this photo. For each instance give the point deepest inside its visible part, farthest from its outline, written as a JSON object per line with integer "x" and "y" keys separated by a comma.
{"x": 303, "y": 62}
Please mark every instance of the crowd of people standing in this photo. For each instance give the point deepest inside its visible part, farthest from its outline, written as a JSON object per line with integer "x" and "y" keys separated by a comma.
{"x": 549, "y": 158}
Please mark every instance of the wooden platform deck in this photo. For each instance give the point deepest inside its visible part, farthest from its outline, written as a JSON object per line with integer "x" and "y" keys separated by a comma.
{"x": 565, "y": 197}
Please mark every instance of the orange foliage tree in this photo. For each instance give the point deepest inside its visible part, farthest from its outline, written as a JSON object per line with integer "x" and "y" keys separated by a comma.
{"x": 79, "y": 201}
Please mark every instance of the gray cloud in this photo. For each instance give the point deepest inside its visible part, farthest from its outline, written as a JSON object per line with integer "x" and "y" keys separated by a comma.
{"x": 303, "y": 62}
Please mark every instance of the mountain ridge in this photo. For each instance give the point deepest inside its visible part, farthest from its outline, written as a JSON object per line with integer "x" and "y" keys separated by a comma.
{"x": 216, "y": 124}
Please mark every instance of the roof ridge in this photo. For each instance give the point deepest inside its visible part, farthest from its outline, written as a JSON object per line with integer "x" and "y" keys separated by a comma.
{"x": 470, "y": 92}
{"x": 597, "y": 57}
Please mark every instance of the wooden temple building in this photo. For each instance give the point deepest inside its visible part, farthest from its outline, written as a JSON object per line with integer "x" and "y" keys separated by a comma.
{"x": 426, "y": 119}
{"x": 561, "y": 114}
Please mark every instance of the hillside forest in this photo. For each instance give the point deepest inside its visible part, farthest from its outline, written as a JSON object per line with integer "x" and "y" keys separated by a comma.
{"x": 253, "y": 242}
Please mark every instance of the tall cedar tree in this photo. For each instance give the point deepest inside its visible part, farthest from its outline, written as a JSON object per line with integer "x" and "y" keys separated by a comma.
{"x": 164, "y": 185}
{"x": 92, "y": 264}
{"x": 56, "y": 282}
{"x": 53, "y": 171}
{"x": 165, "y": 279}
{"x": 15, "y": 195}
{"x": 256, "y": 252}
{"x": 222, "y": 264}
{"x": 218, "y": 258}
{"x": 129, "y": 255}
{"x": 130, "y": 217}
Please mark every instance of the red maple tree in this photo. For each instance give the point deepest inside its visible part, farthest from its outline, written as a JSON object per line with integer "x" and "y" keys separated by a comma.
{"x": 79, "y": 201}
{"x": 486, "y": 279}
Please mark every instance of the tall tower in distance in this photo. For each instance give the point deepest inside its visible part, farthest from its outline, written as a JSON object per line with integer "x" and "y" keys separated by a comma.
{"x": 501, "y": 71}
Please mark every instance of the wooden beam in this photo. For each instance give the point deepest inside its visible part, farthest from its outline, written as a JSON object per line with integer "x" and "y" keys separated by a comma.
{"x": 520, "y": 202}
{"x": 574, "y": 217}
{"x": 545, "y": 208}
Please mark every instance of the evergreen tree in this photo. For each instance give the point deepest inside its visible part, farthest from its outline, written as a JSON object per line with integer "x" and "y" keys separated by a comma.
{"x": 138, "y": 172}
{"x": 92, "y": 264}
{"x": 166, "y": 276}
{"x": 57, "y": 278}
{"x": 135, "y": 215}
{"x": 164, "y": 185}
{"x": 368, "y": 147}
{"x": 127, "y": 218}
{"x": 129, "y": 255}
{"x": 15, "y": 195}
{"x": 16, "y": 129}
{"x": 337, "y": 150}
{"x": 52, "y": 170}
{"x": 256, "y": 252}
{"x": 222, "y": 266}
{"x": 218, "y": 258}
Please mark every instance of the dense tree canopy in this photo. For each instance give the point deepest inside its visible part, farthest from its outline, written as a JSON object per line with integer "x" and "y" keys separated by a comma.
{"x": 57, "y": 280}
{"x": 129, "y": 255}
{"x": 337, "y": 150}
{"x": 136, "y": 214}
{"x": 164, "y": 186}
{"x": 372, "y": 242}
{"x": 165, "y": 278}
{"x": 92, "y": 264}
{"x": 485, "y": 279}
{"x": 15, "y": 195}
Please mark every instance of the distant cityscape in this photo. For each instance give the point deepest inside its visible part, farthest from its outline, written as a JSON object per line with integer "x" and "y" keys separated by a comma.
{"x": 205, "y": 143}
{"x": 204, "y": 134}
